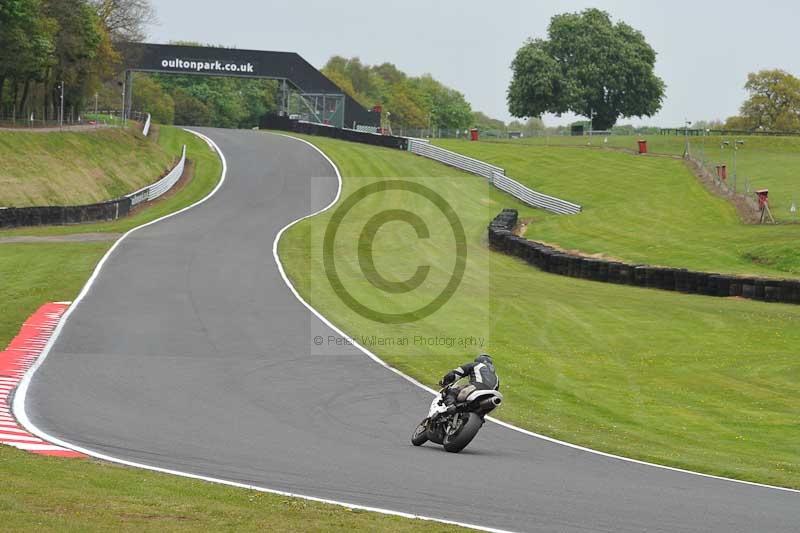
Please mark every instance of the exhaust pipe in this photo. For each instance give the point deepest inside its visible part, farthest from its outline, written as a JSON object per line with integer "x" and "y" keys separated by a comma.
{"x": 490, "y": 403}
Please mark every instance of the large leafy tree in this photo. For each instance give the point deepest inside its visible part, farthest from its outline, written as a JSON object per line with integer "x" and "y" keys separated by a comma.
{"x": 126, "y": 20}
{"x": 448, "y": 108}
{"x": 27, "y": 42}
{"x": 588, "y": 65}
{"x": 773, "y": 102}
{"x": 406, "y": 107}
{"x": 148, "y": 95}
{"x": 45, "y": 42}
{"x": 82, "y": 50}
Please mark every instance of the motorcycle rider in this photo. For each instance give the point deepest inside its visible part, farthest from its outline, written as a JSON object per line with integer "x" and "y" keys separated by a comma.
{"x": 482, "y": 376}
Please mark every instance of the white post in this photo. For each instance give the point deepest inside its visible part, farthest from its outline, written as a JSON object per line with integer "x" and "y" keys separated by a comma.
{"x": 122, "y": 111}
{"x": 61, "y": 112}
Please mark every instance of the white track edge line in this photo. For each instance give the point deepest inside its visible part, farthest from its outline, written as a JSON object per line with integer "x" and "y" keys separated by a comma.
{"x": 432, "y": 391}
{"x": 20, "y": 397}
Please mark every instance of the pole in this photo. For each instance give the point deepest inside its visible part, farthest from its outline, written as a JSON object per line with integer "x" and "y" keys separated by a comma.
{"x": 736, "y": 145}
{"x": 122, "y": 112}
{"x": 703, "y": 149}
{"x": 686, "y": 153}
{"x": 61, "y": 111}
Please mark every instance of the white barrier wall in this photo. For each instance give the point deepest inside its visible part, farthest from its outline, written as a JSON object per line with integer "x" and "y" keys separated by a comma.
{"x": 151, "y": 192}
{"x": 495, "y": 175}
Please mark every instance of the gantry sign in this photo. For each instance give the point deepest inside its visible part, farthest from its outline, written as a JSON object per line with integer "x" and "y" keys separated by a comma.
{"x": 303, "y": 90}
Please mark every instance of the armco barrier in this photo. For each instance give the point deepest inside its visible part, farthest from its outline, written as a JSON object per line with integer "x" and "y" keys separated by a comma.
{"x": 502, "y": 238}
{"x": 533, "y": 198}
{"x": 151, "y": 192}
{"x": 462, "y": 162}
{"x": 15, "y": 217}
{"x": 495, "y": 175}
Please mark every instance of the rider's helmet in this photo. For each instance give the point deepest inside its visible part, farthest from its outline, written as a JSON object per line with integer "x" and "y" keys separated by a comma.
{"x": 484, "y": 358}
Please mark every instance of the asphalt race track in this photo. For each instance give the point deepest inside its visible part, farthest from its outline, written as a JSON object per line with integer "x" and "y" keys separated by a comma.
{"x": 191, "y": 353}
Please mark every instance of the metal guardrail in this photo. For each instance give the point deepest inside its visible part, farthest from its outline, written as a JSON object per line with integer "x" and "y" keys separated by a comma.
{"x": 453, "y": 159}
{"x": 151, "y": 192}
{"x": 495, "y": 175}
{"x": 146, "y": 129}
{"x": 533, "y": 198}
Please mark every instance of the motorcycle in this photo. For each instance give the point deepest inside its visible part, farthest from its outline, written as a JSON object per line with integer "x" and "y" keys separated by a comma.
{"x": 455, "y": 430}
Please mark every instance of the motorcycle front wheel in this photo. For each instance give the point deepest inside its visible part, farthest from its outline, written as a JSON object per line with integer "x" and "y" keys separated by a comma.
{"x": 470, "y": 424}
{"x": 420, "y": 435}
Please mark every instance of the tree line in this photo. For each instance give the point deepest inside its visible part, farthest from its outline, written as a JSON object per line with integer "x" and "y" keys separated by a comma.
{"x": 204, "y": 100}
{"x": 47, "y": 42}
{"x": 419, "y": 102}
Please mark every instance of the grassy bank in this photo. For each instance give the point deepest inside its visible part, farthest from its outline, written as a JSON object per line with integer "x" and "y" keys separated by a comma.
{"x": 763, "y": 162}
{"x": 73, "y": 168}
{"x": 46, "y": 494}
{"x": 206, "y": 171}
{"x": 641, "y": 209}
{"x": 688, "y": 381}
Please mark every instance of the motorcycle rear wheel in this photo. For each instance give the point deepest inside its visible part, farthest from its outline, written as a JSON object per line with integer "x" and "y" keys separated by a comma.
{"x": 459, "y": 440}
{"x": 420, "y": 435}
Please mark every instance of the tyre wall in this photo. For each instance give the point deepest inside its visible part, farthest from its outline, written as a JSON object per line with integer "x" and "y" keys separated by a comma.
{"x": 548, "y": 259}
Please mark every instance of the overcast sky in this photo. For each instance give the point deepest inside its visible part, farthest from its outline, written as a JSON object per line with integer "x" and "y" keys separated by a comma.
{"x": 705, "y": 48}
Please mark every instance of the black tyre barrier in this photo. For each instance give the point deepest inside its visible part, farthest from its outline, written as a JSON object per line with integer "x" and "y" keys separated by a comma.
{"x": 15, "y": 217}
{"x": 322, "y": 130}
{"x": 548, "y": 259}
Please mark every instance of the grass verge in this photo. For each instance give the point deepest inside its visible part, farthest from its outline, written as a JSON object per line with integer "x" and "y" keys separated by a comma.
{"x": 207, "y": 168}
{"x": 74, "y": 168}
{"x": 641, "y": 209}
{"x": 49, "y": 494}
{"x": 689, "y": 381}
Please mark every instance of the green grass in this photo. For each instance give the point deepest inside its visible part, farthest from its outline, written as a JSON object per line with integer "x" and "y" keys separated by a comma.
{"x": 49, "y": 494}
{"x": 74, "y": 168}
{"x": 207, "y": 168}
{"x": 640, "y": 209}
{"x": 765, "y": 162}
{"x": 34, "y": 274}
{"x": 694, "y": 382}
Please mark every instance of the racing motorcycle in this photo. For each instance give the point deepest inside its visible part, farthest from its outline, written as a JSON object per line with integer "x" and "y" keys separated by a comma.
{"x": 456, "y": 429}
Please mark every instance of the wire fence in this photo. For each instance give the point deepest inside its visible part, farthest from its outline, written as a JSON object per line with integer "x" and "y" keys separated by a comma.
{"x": 32, "y": 120}
{"x": 441, "y": 133}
